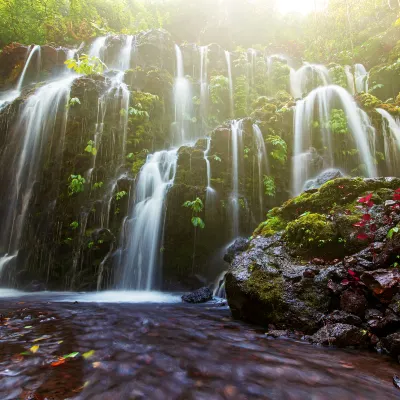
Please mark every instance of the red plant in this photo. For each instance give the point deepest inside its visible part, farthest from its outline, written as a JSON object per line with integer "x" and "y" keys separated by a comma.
{"x": 352, "y": 279}
{"x": 366, "y": 227}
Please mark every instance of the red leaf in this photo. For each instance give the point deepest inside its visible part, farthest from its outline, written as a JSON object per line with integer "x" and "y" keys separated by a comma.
{"x": 396, "y": 197}
{"x": 345, "y": 282}
{"x": 373, "y": 228}
{"x": 397, "y": 190}
{"x": 362, "y": 236}
{"x": 351, "y": 272}
{"x": 365, "y": 199}
{"x": 369, "y": 203}
{"x": 366, "y": 217}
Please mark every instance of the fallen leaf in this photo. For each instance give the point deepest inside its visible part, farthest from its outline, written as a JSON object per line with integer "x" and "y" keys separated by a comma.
{"x": 41, "y": 338}
{"x": 71, "y": 355}
{"x": 88, "y": 354}
{"x": 34, "y": 349}
{"x": 58, "y": 362}
{"x": 28, "y": 327}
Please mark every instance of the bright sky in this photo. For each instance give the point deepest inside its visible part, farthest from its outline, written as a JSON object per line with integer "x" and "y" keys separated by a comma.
{"x": 301, "y": 6}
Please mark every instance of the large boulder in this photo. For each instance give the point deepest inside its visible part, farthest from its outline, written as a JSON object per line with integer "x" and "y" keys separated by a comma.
{"x": 340, "y": 335}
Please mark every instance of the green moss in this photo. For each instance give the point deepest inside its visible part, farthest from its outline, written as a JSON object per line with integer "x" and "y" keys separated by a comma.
{"x": 137, "y": 165}
{"x": 268, "y": 288}
{"x": 270, "y": 227}
{"x": 368, "y": 100}
{"x": 310, "y": 232}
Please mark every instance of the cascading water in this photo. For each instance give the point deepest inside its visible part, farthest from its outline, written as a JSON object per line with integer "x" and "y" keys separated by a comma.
{"x": 306, "y": 78}
{"x": 11, "y": 95}
{"x": 360, "y": 78}
{"x": 391, "y": 136}
{"x": 350, "y": 79}
{"x": 219, "y": 286}
{"x": 262, "y": 163}
{"x": 98, "y": 47}
{"x": 143, "y": 230}
{"x": 204, "y": 85}
{"x": 126, "y": 54}
{"x": 230, "y": 82}
{"x": 236, "y": 148}
{"x": 35, "y": 126}
{"x": 325, "y": 98}
{"x": 183, "y": 103}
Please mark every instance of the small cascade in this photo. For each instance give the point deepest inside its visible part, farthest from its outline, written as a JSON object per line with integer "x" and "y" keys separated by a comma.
{"x": 182, "y": 102}
{"x": 237, "y": 148}
{"x": 204, "y": 93}
{"x": 126, "y": 54}
{"x": 350, "y": 79}
{"x": 325, "y": 99}
{"x": 219, "y": 286}
{"x": 35, "y": 49}
{"x": 143, "y": 231}
{"x": 229, "y": 68}
{"x": 307, "y": 78}
{"x": 391, "y": 136}
{"x": 11, "y": 95}
{"x": 211, "y": 194}
{"x": 39, "y": 121}
{"x": 98, "y": 47}
{"x": 252, "y": 66}
{"x": 262, "y": 163}
{"x": 360, "y": 78}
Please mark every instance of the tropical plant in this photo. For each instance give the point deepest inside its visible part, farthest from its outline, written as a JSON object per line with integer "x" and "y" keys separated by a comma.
{"x": 269, "y": 186}
{"x": 76, "y": 184}
{"x": 279, "y": 151}
{"x": 120, "y": 195}
{"x": 90, "y": 148}
{"x": 86, "y": 65}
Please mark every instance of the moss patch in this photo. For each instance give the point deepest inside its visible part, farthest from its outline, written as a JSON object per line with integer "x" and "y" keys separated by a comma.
{"x": 271, "y": 226}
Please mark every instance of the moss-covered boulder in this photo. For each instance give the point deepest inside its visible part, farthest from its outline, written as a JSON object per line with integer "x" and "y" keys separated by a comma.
{"x": 308, "y": 260}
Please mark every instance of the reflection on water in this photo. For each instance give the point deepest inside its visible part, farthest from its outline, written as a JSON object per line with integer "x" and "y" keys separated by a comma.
{"x": 167, "y": 351}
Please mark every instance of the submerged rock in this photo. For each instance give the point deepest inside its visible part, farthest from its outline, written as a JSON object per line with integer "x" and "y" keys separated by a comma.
{"x": 201, "y": 295}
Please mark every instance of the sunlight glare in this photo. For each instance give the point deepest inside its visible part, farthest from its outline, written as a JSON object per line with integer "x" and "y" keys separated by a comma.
{"x": 301, "y": 6}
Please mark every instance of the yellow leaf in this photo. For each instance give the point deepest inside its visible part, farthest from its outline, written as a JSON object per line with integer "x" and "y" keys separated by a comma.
{"x": 88, "y": 354}
{"x": 34, "y": 349}
{"x": 96, "y": 364}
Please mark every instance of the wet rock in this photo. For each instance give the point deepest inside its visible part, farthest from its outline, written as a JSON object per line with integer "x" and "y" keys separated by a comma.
{"x": 343, "y": 317}
{"x": 383, "y": 283}
{"x": 353, "y": 302}
{"x": 340, "y": 335}
{"x": 201, "y": 295}
{"x": 322, "y": 178}
{"x": 391, "y": 343}
{"x": 237, "y": 247}
{"x": 277, "y": 333}
{"x": 35, "y": 286}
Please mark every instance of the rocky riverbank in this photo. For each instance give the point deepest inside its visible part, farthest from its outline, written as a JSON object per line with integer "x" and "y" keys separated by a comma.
{"x": 326, "y": 264}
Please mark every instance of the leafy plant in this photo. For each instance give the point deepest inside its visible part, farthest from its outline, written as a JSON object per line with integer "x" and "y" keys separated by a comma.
{"x": 120, "y": 195}
{"x": 338, "y": 122}
{"x": 216, "y": 158}
{"x": 74, "y": 225}
{"x": 73, "y": 102}
{"x": 269, "y": 186}
{"x": 90, "y": 148}
{"x": 197, "y": 207}
{"x": 279, "y": 151}
{"x": 393, "y": 231}
{"x": 86, "y": 65}
{"x": 98, "y": 185}
{"x": 76, "y": 184}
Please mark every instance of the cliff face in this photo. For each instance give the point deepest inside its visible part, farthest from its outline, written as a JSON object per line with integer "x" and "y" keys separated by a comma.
{"x": 80, "y": 156}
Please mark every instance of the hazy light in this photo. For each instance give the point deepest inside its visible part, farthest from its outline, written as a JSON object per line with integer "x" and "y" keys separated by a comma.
{"x": 301, "y": 6}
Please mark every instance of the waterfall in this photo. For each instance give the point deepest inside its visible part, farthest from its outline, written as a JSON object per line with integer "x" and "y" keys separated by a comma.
{"x": 325, "y": 98}
{"x": 143, "y": 230}
{"x": 237, "y": 147}
{"x": 306, "y": 78}
{"x": 219, "y": 286}
{"x": 126, "y": 54}
{"x": 35, "y": 49}
{"x": 350, "y": 79}
{"x": 38, "y": 122}
{"x": 11, "y": 95}
{"x": 204, "y": 85}
{"x": 361, "y": 78}
{"x": 391, "y": 136}
{"x": 253, "y": 56}
{"x": 262, "y": 163}
{"x": 98, "y": 47}
{"x": 182, "y": 102}
{"x": 229, "y": 67}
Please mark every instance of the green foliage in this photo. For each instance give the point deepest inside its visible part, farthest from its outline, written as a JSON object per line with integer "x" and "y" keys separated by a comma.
{"x": 73, "y": 102}
{"x": 269, "y": 186}
{"x": 90, "y": 148}
{"x": 240, "y": 96}
{"x": 120, "y": 195}
{"x": 86, "y": 65}
{"x": 393, "y": 231}
{"x": 216, "y": 158}
{"x": 338, "y": 76}
{"x": 97, "y": 185}
{"x": 338, "y": 122}
{"x": 76, "y": 184}
{"x": 197, "y": 207}
{"x": 279, "y": 151}
{"x": 246, "y": 152}
{"x": 74, "y": 225}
